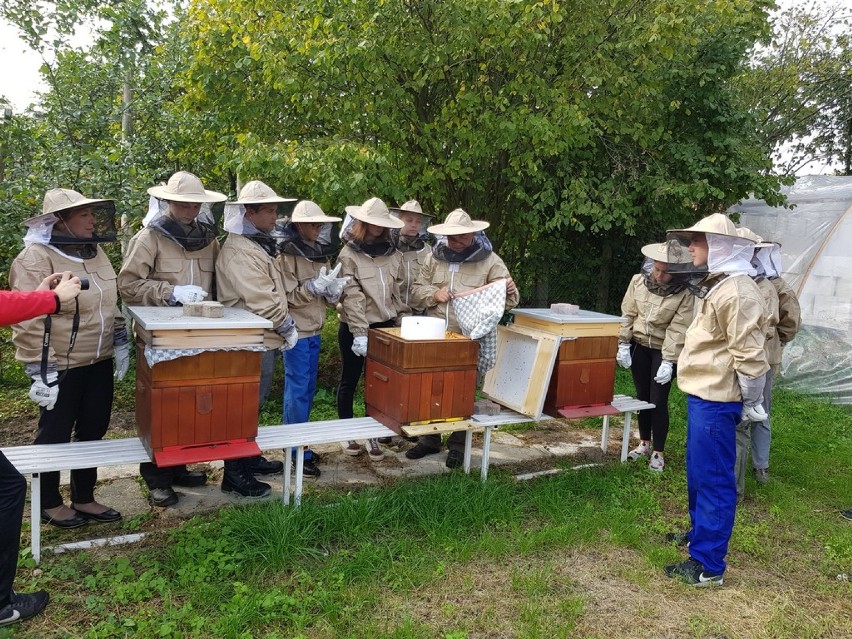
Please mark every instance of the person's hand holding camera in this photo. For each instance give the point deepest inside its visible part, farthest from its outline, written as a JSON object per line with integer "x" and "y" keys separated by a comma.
{"x": 65, "y": 286}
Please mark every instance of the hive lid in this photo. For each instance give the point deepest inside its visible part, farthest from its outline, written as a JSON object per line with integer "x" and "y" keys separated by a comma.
{"x": 580, "y": 317}
{"x": 155, "y": 318}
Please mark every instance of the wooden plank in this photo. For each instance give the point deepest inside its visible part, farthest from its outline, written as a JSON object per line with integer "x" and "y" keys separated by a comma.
{"x": 205, "y": 341}
{"x": 219, "y": 427}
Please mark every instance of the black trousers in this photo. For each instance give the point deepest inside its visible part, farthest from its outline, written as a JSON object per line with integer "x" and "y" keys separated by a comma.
{"x": 653, "y": 423}
{"x": 351, "y": 370}
{"x": 81, "y": 414}
{"x": 13, "y": 494}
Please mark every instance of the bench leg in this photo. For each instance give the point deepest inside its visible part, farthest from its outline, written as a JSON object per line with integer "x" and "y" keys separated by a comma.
{"x": 300, "y": 467}
{"x": 35, "y": 517}
{"x": 288, "y": 468}
{"x": 625, "y": 436}
{"x": 468, "y": 444}
{"x": 605, "y": 433}
{"x": 486, "y": 452}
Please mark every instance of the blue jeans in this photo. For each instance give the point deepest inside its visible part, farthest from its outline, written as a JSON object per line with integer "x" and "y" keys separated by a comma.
{"x": 711, "y": 454}
{"x": 301, "y": 365}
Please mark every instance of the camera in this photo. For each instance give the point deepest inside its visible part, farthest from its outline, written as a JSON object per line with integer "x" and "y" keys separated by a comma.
{"x": 84, "y": 283}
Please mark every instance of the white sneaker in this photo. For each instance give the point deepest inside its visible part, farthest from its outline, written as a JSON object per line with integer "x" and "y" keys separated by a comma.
{"x": 657, "y": 463}
{"x": 642, "y": 450}
{"x": 351, "y": 448}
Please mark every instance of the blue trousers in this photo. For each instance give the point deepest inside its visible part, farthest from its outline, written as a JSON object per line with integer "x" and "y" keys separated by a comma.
{"x": 711, "y": 453}
{"x": 301, "y": 365}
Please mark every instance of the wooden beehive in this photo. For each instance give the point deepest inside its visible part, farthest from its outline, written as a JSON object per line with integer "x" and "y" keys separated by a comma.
{"x": 199, "y": 407}
{"x": 583, "y": 375}
{"x": 414, "y": 381}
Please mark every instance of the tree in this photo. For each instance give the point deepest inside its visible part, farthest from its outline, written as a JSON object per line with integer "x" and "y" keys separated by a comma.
{"x": 801, "y": 88}
{"x": 580, "y": 123}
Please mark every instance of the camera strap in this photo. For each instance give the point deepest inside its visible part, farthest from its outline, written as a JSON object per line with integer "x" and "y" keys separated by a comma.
{"x": 45, "y": 345}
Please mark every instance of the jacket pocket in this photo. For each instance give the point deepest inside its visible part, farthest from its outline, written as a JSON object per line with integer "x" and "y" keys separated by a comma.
{"x": 169, "y": 265}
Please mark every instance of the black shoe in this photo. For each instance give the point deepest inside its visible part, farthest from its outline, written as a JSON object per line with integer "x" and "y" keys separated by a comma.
{"x": 162, "y": 497}
{"x": 74, "y": 521}
{"x": 413, "y": 439}
{"x": 421, "y": 450}
{"x": 385, "y": 440}
{"x": 23, "y": 606}
{"x": 455, "y": 459}
{"x": 678, "y": 538}
{"x": 107, "y": 516}
{"x": 692, "y": 573}
{"x": 310, "y": 469}
{"x": 239, "y": 480}
{"x": 260, "y": 465}
{"x": 846, "y": 514}
{"x": 190, "y": 479}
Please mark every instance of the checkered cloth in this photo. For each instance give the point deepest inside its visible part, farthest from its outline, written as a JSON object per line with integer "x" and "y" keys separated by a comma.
{"x": 478, "y": 312}
{"x": 158, "y": 355}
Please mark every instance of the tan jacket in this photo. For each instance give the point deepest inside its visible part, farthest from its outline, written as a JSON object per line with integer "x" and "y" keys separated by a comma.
{"x": 372, "y": 295}
{"x": 155, "y": 264}
{"x": 789, "y": 311}
{"x": 656, "y": 321}
{"x": 248, "y": 277}
{"x": 435, "y": 274}
{"x": 99, "y": 316}
{"x": 726, "y": 337}
{"x": 306, "y": 309}
{"x": 770, "y": 301}
{"x": 412, "y": 262}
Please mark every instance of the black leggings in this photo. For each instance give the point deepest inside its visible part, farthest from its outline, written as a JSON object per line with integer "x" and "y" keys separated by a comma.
{"x": 654, "y": 422}
{"x": 351, "y": 370}
{"x": 81, "y": 414}
{"x": 13, "y": 494}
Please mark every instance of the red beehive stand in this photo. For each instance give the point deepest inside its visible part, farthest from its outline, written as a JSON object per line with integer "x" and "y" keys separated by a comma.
{"x": 199, "y": 407}
{"x": 416, "y": 381}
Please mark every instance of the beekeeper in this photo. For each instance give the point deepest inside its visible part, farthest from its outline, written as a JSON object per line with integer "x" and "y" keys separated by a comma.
{"x": 248, "y": 276}
{"x": 370, "y": 299}
{"x": 411, "y": 240}
{"x": 461, "y": 260}
{"x": 722, "y": 369}
{"x": 69, "y": 356}
{"x": 658, "y": 309}
{"x": 308, "y": 242}
{"x": 169, "y": 262}
{"x": 785, "y": 317}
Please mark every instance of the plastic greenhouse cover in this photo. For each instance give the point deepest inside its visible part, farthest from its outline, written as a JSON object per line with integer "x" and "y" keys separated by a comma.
{"x": 816, "y": 248}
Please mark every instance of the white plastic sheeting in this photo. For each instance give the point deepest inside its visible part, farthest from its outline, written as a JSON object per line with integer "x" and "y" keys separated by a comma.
{"x": 816, "y": 247}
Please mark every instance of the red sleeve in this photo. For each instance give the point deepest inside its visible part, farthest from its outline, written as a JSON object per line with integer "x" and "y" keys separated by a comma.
{"x": 17, "y": 306}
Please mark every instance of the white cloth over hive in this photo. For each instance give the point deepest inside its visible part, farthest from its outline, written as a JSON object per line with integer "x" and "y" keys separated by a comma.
{"x": 478, "y": 312}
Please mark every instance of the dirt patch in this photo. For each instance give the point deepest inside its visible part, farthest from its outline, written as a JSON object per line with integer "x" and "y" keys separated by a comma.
{"x": 614, "y": 593}
{"x": 21, "y": 431}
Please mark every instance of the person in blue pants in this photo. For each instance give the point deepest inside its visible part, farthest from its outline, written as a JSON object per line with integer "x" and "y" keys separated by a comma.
{"x": 308, "y": 243}
{"x": 722, "y": 369}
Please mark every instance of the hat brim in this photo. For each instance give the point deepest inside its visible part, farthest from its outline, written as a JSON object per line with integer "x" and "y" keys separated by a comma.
{"x": 389, "y": 222}
{"x": 81, "y": 203}
{"x": 657, "y": 252}
{"x": 313, "y": 219}
{"x": 393, "y": 209}
{"x": 267, "y": 200}
{"x": 457, "y": 229}
{"x": 41, "y": 218}
{"x": 209, "y": 197}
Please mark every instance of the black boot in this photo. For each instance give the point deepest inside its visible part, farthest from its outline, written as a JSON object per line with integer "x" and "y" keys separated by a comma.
{"x": 238, "y": 479}
{"x": 260, "y": 465}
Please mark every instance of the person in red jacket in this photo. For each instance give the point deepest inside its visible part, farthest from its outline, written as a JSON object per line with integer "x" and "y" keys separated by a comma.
{"x": 18, "y": 306}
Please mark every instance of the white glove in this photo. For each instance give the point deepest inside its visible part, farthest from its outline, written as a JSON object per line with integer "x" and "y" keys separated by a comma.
{"x": 335, "y": 288}
{"x": 189, "y": 293}
{"x": 321, "y": 282}
{"x": 359, "y": 346}
{"x": 752, "y": 392}
{"x": 623, "y": 357}
{"x": 664, "y": 372}
{"x": 42, "y": 394}
{"x": 754, "y": 414}
{"x": 288, "y": 331}
{"x": 122, "y": 360}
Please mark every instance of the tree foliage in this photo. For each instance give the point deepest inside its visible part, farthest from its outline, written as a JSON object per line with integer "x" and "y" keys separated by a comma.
{"x": 800, "y": 87}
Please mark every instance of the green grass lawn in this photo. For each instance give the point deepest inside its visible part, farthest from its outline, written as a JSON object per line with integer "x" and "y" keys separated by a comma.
{"x": 577, "y": 554}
